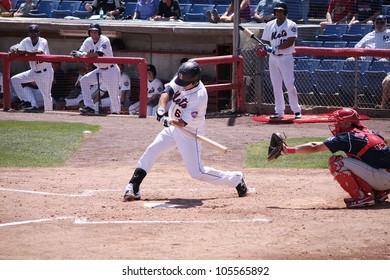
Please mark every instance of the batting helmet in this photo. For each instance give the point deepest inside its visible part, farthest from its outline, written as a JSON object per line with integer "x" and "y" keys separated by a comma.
{"x": 341, "y": 116}
{"x": 188, "y": 73}
{"x": 94, "y": 26}
{"x": 33, "y": 28}
{"x": 281, "y": 6}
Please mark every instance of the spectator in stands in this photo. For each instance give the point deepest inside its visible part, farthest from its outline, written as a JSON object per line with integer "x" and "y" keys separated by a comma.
{"x": 168, "y": 10}
{"x": 377, "y": 39}
{"x": 75, "y": 98}
{"x": 24, "y": 9}
{"x": 5, "y": 6}
{"x": 41, "y": 72}
{"x": 112, "y": 8}
{"x": 366, "y": 11}
{"x": 146, "y": 9}
{"x": 60, "y": 85}
{"x": 339, "y": 12}
{"x": 228, "y": 16}
{"x": 265, "y": 11}
{"x": 155, "y": 88}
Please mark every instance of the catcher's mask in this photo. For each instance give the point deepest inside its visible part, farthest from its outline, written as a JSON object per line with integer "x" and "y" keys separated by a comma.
{"x": 188, "y": 73}
{"x": 94, "y": 26}
{"x": 342, "y": 116}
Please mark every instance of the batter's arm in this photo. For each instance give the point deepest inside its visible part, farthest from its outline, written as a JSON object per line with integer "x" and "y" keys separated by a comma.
{"x": 288, "y": 43}
{"x": 308, "y": 148}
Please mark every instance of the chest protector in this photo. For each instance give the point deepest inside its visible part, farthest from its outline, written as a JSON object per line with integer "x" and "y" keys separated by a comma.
{"x": 372, "y": 141}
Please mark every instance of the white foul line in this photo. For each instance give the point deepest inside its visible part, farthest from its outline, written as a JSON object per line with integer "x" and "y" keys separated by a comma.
{"x": 83, "y": 194}
{"x": 34, "y": 221}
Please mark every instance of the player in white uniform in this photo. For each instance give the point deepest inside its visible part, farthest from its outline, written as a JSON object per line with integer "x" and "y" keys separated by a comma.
{"x": 187, "y": 111}
{"x": 108, "y": 75}
{"x": 281, "y": 33}
{"x": 155, "y": 88}
{"x": 41, "y": 72}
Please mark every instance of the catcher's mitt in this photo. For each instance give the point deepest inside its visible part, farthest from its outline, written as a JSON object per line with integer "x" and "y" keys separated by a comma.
{"x": 275, "y": 148}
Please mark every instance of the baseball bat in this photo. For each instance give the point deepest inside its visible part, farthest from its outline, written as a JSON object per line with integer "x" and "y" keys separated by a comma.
{"x": 212, "y": 144}
{"x": 98, "y": 81}
{"x": 251, "y": 35}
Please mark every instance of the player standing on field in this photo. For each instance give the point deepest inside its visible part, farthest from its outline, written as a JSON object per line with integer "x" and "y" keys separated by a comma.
{"x": 187, "y": 111}
{"x": 41, "y": 72}
{"x": 107, "y": 75}
{"x": 365, "y": 172}
{"x": 281, "y": 34}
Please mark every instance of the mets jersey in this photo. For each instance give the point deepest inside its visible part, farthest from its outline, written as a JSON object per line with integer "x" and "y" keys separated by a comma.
{"x": 102, "y": 46}
{"x": 42, "y": 46}
{"x": 277, "y": 35}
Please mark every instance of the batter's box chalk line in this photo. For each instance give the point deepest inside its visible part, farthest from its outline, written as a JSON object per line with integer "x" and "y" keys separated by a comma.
{"x": 85, "y": 193}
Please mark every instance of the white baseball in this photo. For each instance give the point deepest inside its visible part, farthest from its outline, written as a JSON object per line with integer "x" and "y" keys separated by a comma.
{"x": 87, "y": 134}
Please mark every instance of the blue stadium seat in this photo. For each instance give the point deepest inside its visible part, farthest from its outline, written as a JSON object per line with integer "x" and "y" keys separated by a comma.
{"x": 221, "y": 9}
{"x": 195, "y": 17}
{"x": 185, "y": 8}
{"x": 202, "y": 2}
{"x": 334, "y": 44}
{"x": 326, "y": 81}
{"x": 313, "y": 44}
{"x": 372, "y": 81}
{"x": 333, "y": 32}
{"x": 362, "y": 65}
{"x": 351, "y": 44}
{"x": 356, "y": 32}
{"x": 307, "y": 64}
{"x": 129, "y": 8}
{"x": 380, "y": 66}
{"x": 350, "y": 84}
{"x": 44, "y": 9}
{"x": 201, "y": 8}
{"x": 331, "y": 64}
{"x": 66, "y": 8}
{"x": 303, "y": 74}
{"x": 294, "y": 10}
{"x": 82, "y": 11}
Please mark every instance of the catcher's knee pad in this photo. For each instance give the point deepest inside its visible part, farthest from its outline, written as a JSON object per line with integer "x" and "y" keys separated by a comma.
{"x": 344, "y": 176}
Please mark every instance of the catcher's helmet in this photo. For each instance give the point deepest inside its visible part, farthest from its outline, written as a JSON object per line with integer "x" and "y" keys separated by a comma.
{"x": 341, "y": 116}
{"x": 94, "y": 26}
{"x": 188, "y": 73}
{"x": 281, "y": 6}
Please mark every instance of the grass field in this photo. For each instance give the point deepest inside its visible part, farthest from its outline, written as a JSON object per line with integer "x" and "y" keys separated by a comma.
{"x": 39, "y": 144}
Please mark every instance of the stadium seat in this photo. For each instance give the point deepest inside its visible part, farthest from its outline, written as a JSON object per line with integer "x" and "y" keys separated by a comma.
{"x": 196, "y": 2}
{"x": 201, "y": 8}
{"x": 372, "y": 81}
{"x": 195, "y": 17}
{"x": 334, "y": 44}
{"x": 351, "y": 44}
{"x": 82, "y": 11}
{"x": 326, "y": 84}
{"x": 129, "y": 8}
{"x": 356, "y": 32}
{"x": 221, "y": 9}
{"x": 185, "y": 8}
{"x": 65, "y": 8}
{"x": 380, "y": 66}
{"x": 44, "y": 9}
{"x": 314, "y": 44}
{"x": 303, "y": 73}
{"x": 333, "y": 32}
{"x": 307, "y": 64}
{"x": 362, "y": 65}
{"x": 331, "y": 64}
{"x": 294, "y": 9}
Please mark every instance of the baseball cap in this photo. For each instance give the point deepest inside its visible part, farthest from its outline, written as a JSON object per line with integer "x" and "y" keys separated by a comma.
{"x": 33, "y": 27}
{"x": 152, "y": 68}
{"x": 381, "y": 17}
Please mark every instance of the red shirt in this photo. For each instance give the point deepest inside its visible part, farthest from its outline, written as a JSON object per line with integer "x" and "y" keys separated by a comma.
{"x": 340, "y": 8}
{"x": 6, "y": 4}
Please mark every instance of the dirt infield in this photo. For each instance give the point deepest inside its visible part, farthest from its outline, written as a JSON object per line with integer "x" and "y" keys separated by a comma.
{"x": 75, "y": 211}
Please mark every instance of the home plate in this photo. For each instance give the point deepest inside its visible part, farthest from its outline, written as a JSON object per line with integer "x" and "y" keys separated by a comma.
{"x": 163, "y": 205}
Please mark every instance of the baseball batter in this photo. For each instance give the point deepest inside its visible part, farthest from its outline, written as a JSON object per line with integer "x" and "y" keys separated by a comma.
{"x": 107, "y": 75}
{"x": 187, "y": 111}
{"x": 41, "y": 72}
{"x": 281, "y": 34}
{"x": 365, "y": 172}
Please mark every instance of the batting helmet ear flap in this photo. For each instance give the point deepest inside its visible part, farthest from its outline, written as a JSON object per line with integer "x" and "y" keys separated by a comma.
{"x": 94, "y": 26}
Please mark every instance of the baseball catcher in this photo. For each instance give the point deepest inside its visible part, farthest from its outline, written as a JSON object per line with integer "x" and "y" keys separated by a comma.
{"x": 275, "y": 148}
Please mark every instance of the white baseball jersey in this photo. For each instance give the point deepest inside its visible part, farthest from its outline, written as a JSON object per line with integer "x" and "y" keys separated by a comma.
{"x": 189, "y": 105}
{"x": 103, "y": 45}
{"x": 155, "y": 87}
{"x": 42, "y": 46}
{"x": 276, "y": 35}
{"x": 375, "y": 40}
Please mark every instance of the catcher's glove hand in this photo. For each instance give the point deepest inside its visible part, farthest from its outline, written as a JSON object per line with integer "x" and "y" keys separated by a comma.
{"x": 275, "y": 148}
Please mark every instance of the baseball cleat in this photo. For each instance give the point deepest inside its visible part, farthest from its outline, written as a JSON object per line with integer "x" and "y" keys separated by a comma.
{"x": 381, "y": 196}
{"x": 130, "y": 196}
{"x": 298, "y": 116}
{"x": 87, "y": 110}
{"x": 276, "y": 116}
{"x": 366, "y": 201}
{"x": 241, "y": 188}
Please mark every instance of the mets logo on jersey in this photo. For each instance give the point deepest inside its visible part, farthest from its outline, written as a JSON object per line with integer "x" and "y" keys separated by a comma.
{"x": 104, "y": 46}
{"x": 194, "y": 114}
